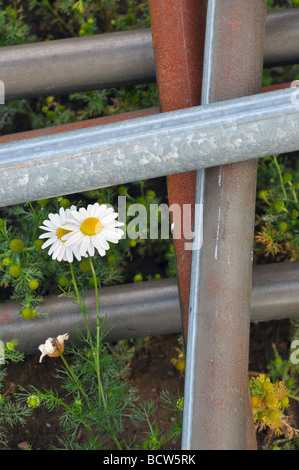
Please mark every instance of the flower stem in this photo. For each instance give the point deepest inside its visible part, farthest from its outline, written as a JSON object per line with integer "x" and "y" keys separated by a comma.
{"x": 274, "y": 159}
{"x": 74, "y": 377}
{"x": 98, "y": 346}
{"x": 80, "y": 303}
{"x": 87, "y": 427}
{"x": 293, "y": 397}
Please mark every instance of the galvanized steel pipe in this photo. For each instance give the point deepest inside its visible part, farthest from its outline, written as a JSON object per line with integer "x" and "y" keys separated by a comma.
{"x": 167, "y": 143}
{"x": 145, "y": 309}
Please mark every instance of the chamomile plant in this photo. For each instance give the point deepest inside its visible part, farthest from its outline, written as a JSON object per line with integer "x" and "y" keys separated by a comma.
{"x": 99, "y": 398}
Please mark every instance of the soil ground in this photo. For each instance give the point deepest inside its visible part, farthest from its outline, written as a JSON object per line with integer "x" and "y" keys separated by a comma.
{"x": 151, "y": 372}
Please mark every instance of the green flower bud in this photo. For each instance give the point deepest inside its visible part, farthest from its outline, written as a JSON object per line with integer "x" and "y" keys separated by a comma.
{"x": 51, "y": 115}
{"x": 27, "y": 313}
{"x": 84, "y": 266}
{"x": 43, "y": 202}
{"x": 63, "y": 281}
{"x": 287, "y": 177}
{"x": 122, "y": 190}
{"x": 112, "y": 259}
{"x": 10, "y": 346}
{"x": 65, "y": 203}
{"x": 263, "y": 194}
{"x": 279, "y": 206}
{"x": 151, "y": 194}
{"x": 16, "y": 245}
{"x": 138, "y": 278}
{"x": 277, "y": 361}
{"x": 6, "y": 262}
{"x": 38, "y": 244}
{"x": 15, "y": 270}
{"x": 284, "y": 402}
{"x": 33, "y": 284}
{"x": 33, "y": 401}
{"x": 283, "y": 226}
{"x": 140, "y": 200}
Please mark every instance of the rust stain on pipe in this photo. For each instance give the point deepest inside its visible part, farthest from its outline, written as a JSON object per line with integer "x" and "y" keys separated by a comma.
{"x": 77, "y": 125}
{"x": 178, "y": 30}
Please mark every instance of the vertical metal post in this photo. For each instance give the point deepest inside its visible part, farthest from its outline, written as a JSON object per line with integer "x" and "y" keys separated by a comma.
{"x": 178, "y": 30}
{"x": 216, "y": 384}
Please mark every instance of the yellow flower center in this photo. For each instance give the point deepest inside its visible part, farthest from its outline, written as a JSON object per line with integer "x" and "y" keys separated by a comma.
{"x": 91, "y": 226}
{"x": 61, "y": 232}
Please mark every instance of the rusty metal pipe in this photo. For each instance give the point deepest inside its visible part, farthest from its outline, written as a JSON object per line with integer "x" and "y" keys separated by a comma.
{"x": 178, "y": 32}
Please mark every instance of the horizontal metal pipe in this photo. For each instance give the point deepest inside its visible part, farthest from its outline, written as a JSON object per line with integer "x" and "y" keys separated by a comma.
{"x": 145, "y": 309}
{"x": 65, "y": 66}
{"x": 167, "y": 143}
{"x": 115, "y": 59}
{"x": 275, "y": 292}
{"x": 281, "y": 45}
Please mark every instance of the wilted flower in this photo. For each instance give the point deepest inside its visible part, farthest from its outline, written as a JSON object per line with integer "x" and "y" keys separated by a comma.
{"x": 53, "y": 346}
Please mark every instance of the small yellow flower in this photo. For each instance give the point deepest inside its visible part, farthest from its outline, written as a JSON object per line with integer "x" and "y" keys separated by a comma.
{"x": 256, "y": 401}
{"x": 271, "y": 401}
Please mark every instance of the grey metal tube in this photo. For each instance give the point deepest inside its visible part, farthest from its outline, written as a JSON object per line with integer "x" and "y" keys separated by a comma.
{"x": 115, "y": 59}
{"x": 65, "y": 66}
{"x": 146, "y": 309}
{"x": 167, "y": 143}
{"x": 282, "y": 38}
{"x": 132, "y": 311}
{"x": 216, "y": 385}
{"x": 275, "y": 292}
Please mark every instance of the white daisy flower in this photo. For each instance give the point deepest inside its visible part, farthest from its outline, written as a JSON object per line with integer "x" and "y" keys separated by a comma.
{"x": 53, "y": 346}
{"x": 92, "y": 228}
{"x": 54, "y": 231}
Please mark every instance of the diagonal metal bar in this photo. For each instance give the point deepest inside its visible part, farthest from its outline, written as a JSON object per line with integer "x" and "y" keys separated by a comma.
{"x": 216, "y": 388}
{"x": 200, "y": 137}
